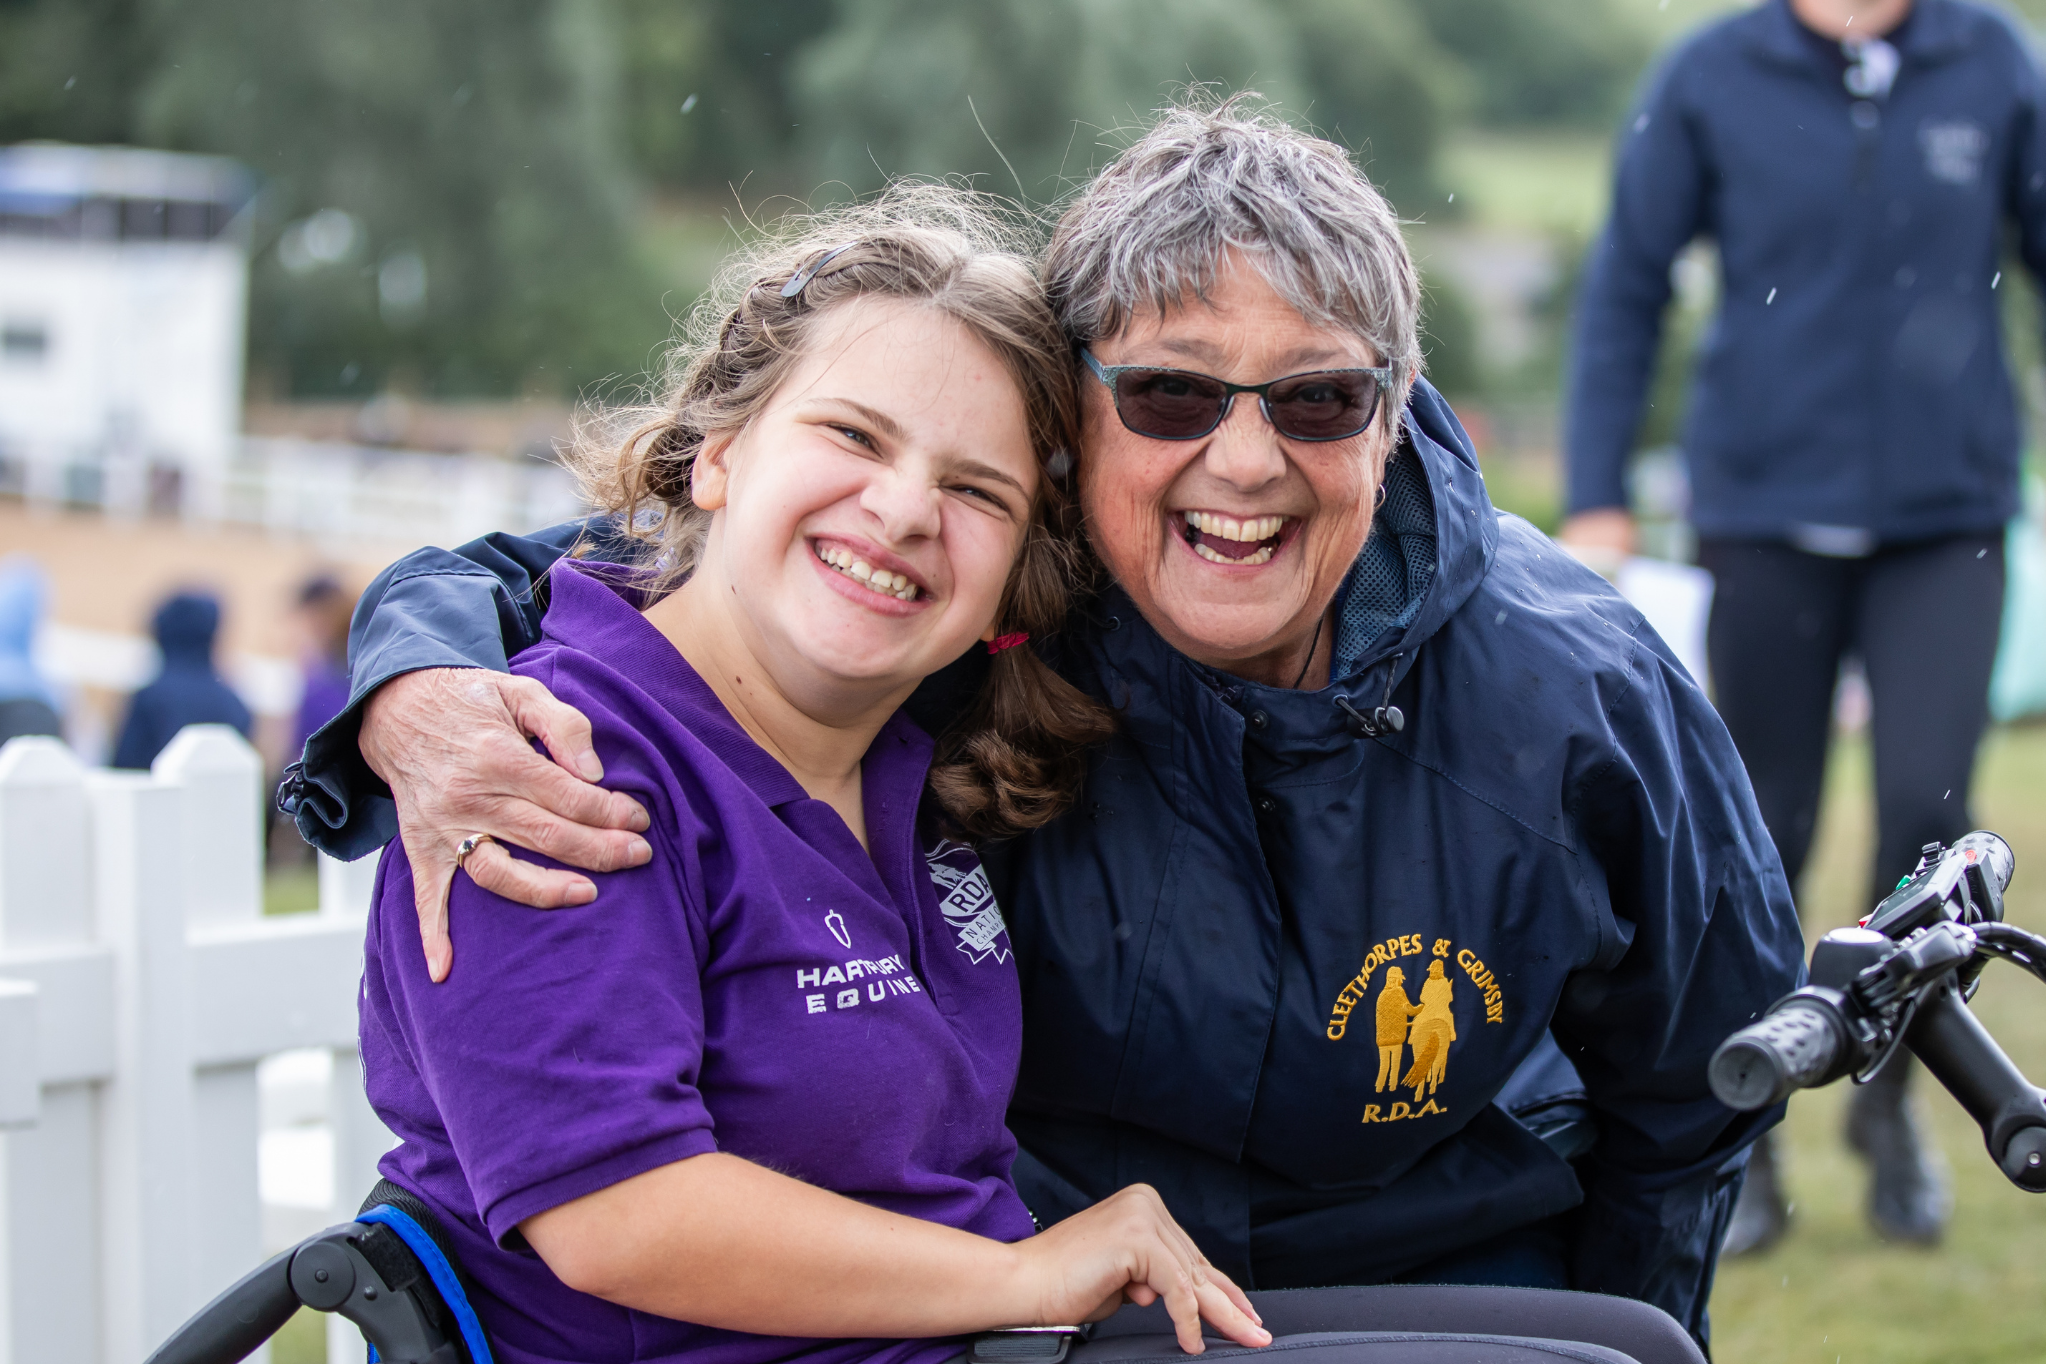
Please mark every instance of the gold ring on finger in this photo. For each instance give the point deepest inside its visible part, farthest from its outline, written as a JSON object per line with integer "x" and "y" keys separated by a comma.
{"x": 469, "y": 845}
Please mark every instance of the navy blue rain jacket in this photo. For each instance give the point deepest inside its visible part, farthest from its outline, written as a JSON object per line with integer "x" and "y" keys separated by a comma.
{"x": 1854, "y": 376}
{"x": 186, "y": 691}
{"x": 1561, "y": 843}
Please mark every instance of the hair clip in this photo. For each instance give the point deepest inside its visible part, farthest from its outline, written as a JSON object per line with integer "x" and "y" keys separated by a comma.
{"x": 1001, "y": 642}
{"x": 809, "y": 272}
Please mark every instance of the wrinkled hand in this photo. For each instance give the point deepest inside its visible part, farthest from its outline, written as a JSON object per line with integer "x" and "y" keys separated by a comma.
{"x": 452, "y": 743}
{"x": 1128, "y": 1248}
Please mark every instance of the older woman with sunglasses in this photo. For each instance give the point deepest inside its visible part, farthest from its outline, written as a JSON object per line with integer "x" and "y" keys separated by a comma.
{"x": 1401, "y": 798}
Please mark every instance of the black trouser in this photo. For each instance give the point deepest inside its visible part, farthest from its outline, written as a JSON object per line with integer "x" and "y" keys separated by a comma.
{"x": 1923, "y": 618}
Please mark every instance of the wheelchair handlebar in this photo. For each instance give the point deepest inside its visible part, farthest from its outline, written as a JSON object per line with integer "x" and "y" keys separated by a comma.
{"x": 1800, "y": 1044}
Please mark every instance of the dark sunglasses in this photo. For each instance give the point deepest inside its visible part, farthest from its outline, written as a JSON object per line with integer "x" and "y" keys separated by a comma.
{"x": 1178, "y": 404}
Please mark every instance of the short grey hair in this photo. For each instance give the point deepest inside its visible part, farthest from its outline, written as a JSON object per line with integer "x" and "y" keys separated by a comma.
{"x": 1150, "y": 231}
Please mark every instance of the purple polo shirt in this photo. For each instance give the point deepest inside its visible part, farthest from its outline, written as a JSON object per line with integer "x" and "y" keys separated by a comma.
{"x": 763, "y": 987}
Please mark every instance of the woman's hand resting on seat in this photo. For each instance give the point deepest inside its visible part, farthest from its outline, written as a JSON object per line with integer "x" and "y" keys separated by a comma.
{"x": 723, "y": 1242}
{"x": 1127, "y": 1248}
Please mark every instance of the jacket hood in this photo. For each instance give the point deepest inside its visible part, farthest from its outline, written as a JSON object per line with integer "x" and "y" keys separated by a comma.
{"x": 1431, "y": 543}
{"x": 185, "y": 627}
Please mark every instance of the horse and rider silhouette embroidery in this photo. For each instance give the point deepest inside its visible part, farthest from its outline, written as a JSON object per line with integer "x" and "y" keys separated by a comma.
{"x": 1428, "y": 1027}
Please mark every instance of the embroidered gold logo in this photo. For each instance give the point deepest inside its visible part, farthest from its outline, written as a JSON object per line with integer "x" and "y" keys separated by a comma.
{"x": 1414, "y": 1036}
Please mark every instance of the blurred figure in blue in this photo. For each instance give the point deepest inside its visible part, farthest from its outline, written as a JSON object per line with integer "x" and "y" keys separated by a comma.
{"x": 187, "y": 689}
{"x": 27, "y": 704}
{"x": 1865, "y": 168}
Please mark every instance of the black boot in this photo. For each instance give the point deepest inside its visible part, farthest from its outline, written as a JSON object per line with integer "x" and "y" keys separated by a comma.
{"x": 1907, "y": 1197}
{"x": 1761, "y": 1215}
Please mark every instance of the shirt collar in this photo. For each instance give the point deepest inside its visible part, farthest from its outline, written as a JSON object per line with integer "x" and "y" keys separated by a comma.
{"x": 595, "y": 608}
{"x": 1932, "y": 31}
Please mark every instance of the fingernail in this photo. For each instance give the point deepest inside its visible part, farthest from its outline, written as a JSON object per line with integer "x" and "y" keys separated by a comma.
{"x": 582, "y": 892}
{"x": 638, "y": 851}
{"x": 587, "y": 764}
{"x": 639, "y": 823}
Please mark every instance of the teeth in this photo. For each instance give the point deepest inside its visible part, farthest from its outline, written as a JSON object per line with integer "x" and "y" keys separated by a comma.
{"x": 1262, "y": 556}
{"x": 896, "y": 585}
{"x": 1229, "y": 528}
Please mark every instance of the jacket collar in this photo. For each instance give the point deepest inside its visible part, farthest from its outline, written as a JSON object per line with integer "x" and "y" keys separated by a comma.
{"x": 1939, "y": 29}
{"x": 1466, "y": 525}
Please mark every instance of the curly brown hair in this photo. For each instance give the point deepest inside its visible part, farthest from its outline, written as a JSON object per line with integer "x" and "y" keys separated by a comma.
{"x": 1016, "y": 759}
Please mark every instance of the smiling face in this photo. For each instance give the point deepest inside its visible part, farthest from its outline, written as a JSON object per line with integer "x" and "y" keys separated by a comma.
{"x": 867, "y": 520}
{"x": 1233, "y": 545}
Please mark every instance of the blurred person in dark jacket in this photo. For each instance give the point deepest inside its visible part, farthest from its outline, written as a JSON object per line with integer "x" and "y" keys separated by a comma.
{"x": 187, "y": 689}
{"x": 27, "y": 703}
{"x": 1851, "y": 436}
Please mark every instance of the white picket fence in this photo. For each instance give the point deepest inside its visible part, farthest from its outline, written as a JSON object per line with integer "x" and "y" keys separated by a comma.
{"x": 140, "y": 985}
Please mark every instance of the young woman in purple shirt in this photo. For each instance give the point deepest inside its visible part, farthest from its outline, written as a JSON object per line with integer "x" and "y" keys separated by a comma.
{"x": 751, "y": 1108}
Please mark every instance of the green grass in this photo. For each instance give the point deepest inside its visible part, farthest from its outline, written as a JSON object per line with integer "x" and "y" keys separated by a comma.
{"x": 302, "y": 1341}
{"x": 291, "y": 890}
{"x": 1524, "y": 486}
{"x": 1831, "y": 1293}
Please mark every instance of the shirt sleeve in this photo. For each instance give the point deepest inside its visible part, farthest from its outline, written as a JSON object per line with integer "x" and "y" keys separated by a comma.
{"x": 472, "y": 607}
{"x": 1659, "y": 194}
{"x": 1705, "y": 938}
{"x": 563, "y": 1053}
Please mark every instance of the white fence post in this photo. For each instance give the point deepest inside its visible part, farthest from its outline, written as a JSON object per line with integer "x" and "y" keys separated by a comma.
{"x": 49, "y": 1196}
{"x": 146, "y": 1137}
{"x": 139, "y": 986}
{"x": 219, "y": 781}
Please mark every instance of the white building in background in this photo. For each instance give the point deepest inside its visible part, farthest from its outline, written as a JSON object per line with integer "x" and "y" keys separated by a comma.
{"x": 123, "y": 295}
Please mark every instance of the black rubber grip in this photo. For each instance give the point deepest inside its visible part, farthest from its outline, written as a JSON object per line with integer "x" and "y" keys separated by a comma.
{"x": 1795, "y": 1046}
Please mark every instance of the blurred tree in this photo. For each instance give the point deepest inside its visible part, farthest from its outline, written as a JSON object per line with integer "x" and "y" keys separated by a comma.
{"x": 450, "y": 189}
{"x": 1571, "y": 61}
{"x": 70, "y": 69}
{"x": 1449, "y": 338}
{"x": 451, "y": 175}
{"x": 705, "y": 89}
{"x": 930, "y": 87}
{"x": 926, "y": 87}
{"x": 1381, "y": 85}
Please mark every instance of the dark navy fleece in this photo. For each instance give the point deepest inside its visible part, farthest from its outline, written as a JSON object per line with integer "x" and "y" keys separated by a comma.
{"x": 1854, "y": 376}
